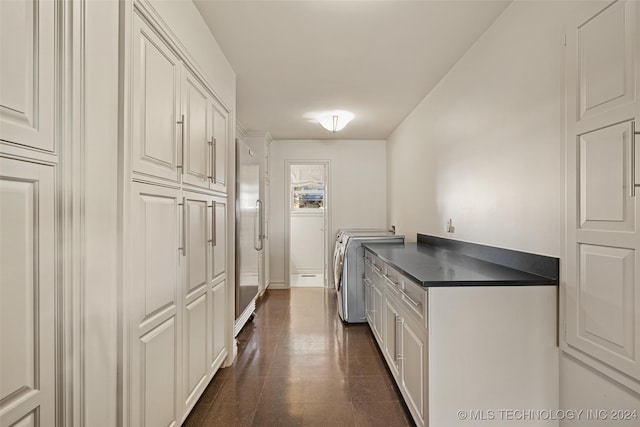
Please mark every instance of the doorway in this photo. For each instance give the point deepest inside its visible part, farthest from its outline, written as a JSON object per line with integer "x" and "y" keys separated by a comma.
{"x": 308, "y": 214}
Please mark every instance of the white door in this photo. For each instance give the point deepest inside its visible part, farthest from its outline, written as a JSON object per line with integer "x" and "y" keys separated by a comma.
{"x": 155, "y": 316}
{"x": 219, "y": 237}
{"x": 27, "y": 73}
{"x": 27, "y": 294}
{"x": 603, "y": 287}
{"x": 413, "y": 365}
{"x": 195, "y": 331}
{"x": 218, "y": 316}
{"x": 220, "y": 130}
{"x": 197, "y": 147}
{"x": 158, "y": 129}
{"x": 391, "y": 322}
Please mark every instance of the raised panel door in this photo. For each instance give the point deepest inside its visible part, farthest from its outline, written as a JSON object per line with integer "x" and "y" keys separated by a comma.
{"x": 195, "y": 347}
{"x": 197, "y": 242}
{"x": 158, "y": 127}
{"x": 219, "y": 237}
{"x": 27, "y": 293}
{"x": 218, "y": 328}
{"x": 154, "y": 296}
{"x": 602, "y": 298}
{"x": 378, "y": 298}
{"x": 391, "y": 320}
{"x": 27, "y": 72}
{"x": 414, "y": 367}
{"x": 220, "y": 123}
{"x": 197, "y": 147}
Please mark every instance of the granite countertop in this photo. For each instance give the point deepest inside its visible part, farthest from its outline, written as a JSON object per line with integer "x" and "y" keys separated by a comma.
{"x": 431, "y": 266}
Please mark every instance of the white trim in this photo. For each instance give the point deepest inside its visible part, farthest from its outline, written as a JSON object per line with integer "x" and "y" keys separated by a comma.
{"x": 278, "y": 285}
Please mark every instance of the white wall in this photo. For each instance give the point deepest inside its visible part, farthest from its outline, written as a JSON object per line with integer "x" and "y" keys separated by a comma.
{"x": 485, "y": 148}
{"x": 357, "y": 186}
{"x": 189, "y": 27}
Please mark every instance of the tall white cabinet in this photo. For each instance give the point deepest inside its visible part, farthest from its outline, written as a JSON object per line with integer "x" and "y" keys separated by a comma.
{"x": 178, "y": 309}
{"x": 29, "y": 232}
{"x": 602, "y": 293}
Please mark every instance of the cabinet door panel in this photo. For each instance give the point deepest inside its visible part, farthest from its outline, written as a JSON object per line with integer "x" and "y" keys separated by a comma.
{"x": 154, "y": 294}
{"x": 27, "y": 72}
{"x": 391, "y": 319}
{"x": 195, "y": 345}
{"x": 197, "y": 242}
{"x": 220, "y": 120}
{"x": 377, "y": 311}
{"x": 414, "y": 367}
{"x": 218, "y": 324}
{"x": 220, "y": 237}
{"x": 156, "y": 113}
{"x": 27, "y": 297}
{"x": 197, "y": 149}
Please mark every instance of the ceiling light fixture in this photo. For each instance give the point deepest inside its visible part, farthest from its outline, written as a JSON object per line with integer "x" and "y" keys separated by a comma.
{"x": 335, "y": 121}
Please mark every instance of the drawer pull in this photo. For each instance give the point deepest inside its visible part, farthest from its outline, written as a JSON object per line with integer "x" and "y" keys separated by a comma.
{"x": 408, "y": 298}
{"x": 390, "y": 281}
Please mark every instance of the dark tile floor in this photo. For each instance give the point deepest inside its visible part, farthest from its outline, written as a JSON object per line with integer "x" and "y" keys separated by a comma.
{"x": 299, "y": 365}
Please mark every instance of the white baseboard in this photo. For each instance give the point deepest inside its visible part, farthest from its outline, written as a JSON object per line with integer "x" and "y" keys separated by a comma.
{"x": 278, "y": 285}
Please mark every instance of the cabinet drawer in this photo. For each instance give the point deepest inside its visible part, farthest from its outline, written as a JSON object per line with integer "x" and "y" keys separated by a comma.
{"x": 414, "y": 298}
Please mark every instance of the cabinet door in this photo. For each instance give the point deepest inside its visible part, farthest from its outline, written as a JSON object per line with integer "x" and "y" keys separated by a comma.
{"x": 220, "y": 125}
{"x": 197, "y": 147}
{"x": 158, "y": 130}
{"x": 602, "y": 304}
{"x": 391, "y": 323}
{"x": 218, "y": 316}
{"x": 27, "y": 73}
{"x": 197, "y": 231}
{"x": 155, "y": 319}
{"x": 219, "y": 237}
{"x": 27, "y": 294}
{"x": 267, "y": 223}
{"x": 378, "y": 297}
{"x": 413, "y": 342}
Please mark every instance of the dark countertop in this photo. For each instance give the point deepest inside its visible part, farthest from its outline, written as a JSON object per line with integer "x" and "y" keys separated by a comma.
{"x": 433, "y": 266}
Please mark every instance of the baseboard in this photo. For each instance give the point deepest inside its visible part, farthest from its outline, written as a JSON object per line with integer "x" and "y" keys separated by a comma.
{"x": 278, "y": 285}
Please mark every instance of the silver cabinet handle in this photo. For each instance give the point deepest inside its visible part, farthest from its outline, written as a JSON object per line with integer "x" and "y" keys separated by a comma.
{"x": 181, "y": 123}
{"x": 633, "y": 158}
{"x": 259, "y": 228}
{"x": 389, "y": 280}
{"x": 184, "y": 226}
{"x": 211, "y": 157}
{"x": 408, "y": 298}
{"x": 213, "y": 160}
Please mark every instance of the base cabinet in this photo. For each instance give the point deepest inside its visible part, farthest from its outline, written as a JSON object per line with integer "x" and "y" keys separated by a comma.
{"x": 459, "y": 348}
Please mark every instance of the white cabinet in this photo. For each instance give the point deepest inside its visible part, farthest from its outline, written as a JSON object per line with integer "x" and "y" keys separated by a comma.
{"x": 479, "y": 339}
{"x": 178, "y": 214}
{"x": 602, "y": 298}
{"x": 158, "y": 128}
{"x": 27, "y": 70}
{"x": 27, "y": 293}
{"x": 154, "y": 298}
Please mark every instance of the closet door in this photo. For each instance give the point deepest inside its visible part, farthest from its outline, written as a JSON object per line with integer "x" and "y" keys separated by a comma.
{"x": 220, "y": 123}
{"x": 158, "y": 128}
{"x": 603, "y": 241}
{"x": 27, "y": 294}
{"x": 195, "y": 288}
{"x": 155, "y": 318}
{"x": 198, "y": 145}
{"x": 27, "y": 73}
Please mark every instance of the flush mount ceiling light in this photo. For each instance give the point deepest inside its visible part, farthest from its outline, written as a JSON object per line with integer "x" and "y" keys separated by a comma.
{"x": 335, "y": 121}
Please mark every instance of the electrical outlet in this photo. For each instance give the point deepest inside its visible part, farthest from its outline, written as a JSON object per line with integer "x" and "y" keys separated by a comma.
{"x": 450, "y": 228}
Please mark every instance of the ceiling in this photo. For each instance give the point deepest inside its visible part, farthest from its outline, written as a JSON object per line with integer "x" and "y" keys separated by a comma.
{"x": 377, "y": 59}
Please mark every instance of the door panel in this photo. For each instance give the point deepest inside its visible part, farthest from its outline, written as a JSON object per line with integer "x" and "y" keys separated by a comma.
{"x": 197, "y": 150}
{"x": 196, "y": 242}
{"x": 220, "y": 120}
{"x": 218, "y": 324}
{"x": 27, "y": 293}
{"x": 157, "y": 133}
{"x": 390, "y": 331}
{"x": 414, "y": 357}
{"x": 154, "y": 294}
{"x": 27, "y": 72}
{"x": 606, "y": 73}
{"x": 159, "y": 375}
{"x": 220, "y": 237}
{"x": 195, "y": 358}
